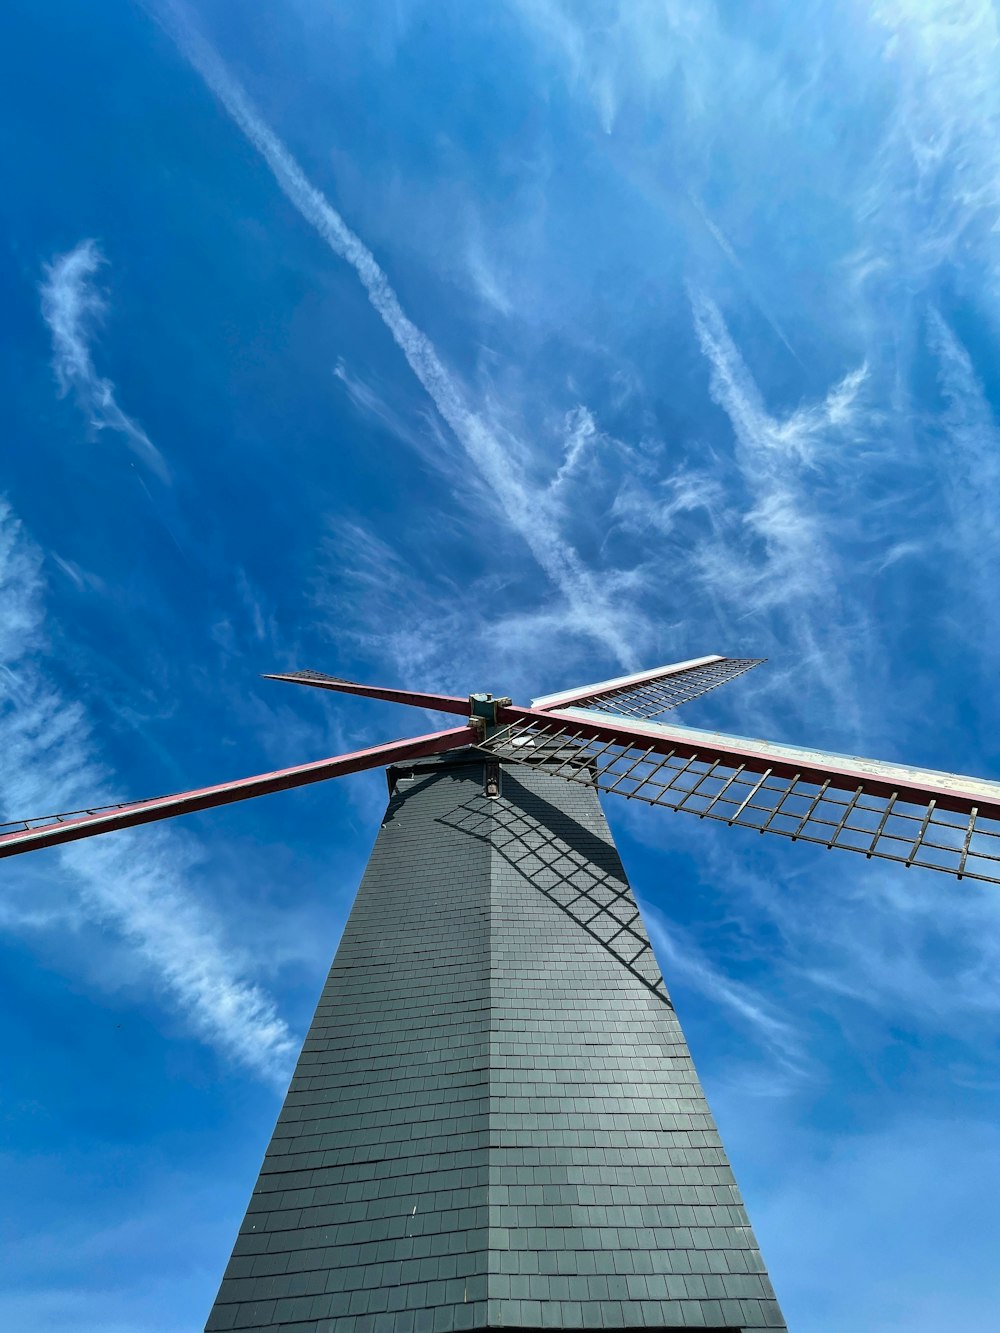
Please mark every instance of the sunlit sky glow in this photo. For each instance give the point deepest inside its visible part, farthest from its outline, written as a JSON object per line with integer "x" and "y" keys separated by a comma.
{"x": 492, "y": 346}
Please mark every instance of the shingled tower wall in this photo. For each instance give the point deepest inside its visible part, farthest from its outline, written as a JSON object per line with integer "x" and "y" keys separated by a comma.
{"x": 495, "y": 1120}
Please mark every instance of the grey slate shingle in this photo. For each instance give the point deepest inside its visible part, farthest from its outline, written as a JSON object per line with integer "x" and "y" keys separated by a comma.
{"x": 495, "y": 1120}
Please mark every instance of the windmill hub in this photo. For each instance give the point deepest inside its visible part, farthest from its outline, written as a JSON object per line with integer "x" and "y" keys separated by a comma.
{"x": 485, "y": 706}
{"x": 484, "y": 713}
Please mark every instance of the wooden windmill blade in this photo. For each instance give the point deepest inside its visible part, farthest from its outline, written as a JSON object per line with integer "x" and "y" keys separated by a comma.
{"x": 25, "y": 835}
{"x": 437, "y": 703}
{"x": 913, "y": 816}
{"x": 646, "y": 694}
{"x": 37, "y": 832}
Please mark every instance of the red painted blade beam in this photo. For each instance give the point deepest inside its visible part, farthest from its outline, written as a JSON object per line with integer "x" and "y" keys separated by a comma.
{"x": 891, "y": 811}
{"x": 441, "y": 703}
{"x": 650, "y": 693}
{"x": 31, "y": 834}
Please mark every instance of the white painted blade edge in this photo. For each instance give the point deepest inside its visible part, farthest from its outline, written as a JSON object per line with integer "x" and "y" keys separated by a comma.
{"x": 548, "y": 701}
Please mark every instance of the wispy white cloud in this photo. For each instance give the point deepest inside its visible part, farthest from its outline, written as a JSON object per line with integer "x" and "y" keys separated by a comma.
{"x": 794, "y": 568}
{"x": 82, "y": 579}
{"x": 492, "y": 451}
{"x": 136, "y": 883}
{"x": 483, "y": 273}
{"x": 883, "y": 942}
{"x": 925, "y": 171}
{"x": 581, "y": 436}
{"x": 425, "y": 627}
{"x": 770, "y": 444}
{"x": 898, "y": 551}
{"x": 617, "y": 49}
{"x": 938, "y": 167}
{"x": 655, "y": 503}
{"x": 726, "y": 247}
{"x": 73, "y": 306}
{"x": 370, "y": 402}
{"x": 968, "y": 470}
{"x": 376, "y": 598}
{"x": 420, "y": 429}
{"x": 682, "y": 959}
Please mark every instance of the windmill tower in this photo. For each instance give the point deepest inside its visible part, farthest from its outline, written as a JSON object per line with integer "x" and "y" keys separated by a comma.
{"x": 495, "y": 1121}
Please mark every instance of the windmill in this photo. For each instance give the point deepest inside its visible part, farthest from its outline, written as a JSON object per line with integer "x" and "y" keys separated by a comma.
{"x": 495, "y": 1120}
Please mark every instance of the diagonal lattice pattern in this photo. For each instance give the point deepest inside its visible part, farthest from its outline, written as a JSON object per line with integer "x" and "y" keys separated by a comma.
{"x": 851, "y": 815}
{"x": 597, "y": 898}
{"x": 650, "y": 698}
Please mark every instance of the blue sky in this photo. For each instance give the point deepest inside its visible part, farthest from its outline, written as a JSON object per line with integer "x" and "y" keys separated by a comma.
{"x": 500, "y": 347}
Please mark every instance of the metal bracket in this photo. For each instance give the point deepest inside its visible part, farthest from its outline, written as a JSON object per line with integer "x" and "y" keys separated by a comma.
{"x": 483, "y": 707}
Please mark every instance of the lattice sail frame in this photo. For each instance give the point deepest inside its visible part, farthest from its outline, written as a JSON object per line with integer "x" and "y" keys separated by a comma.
{"x": 649, "y": 694}
{"x": 910, "y": 816}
